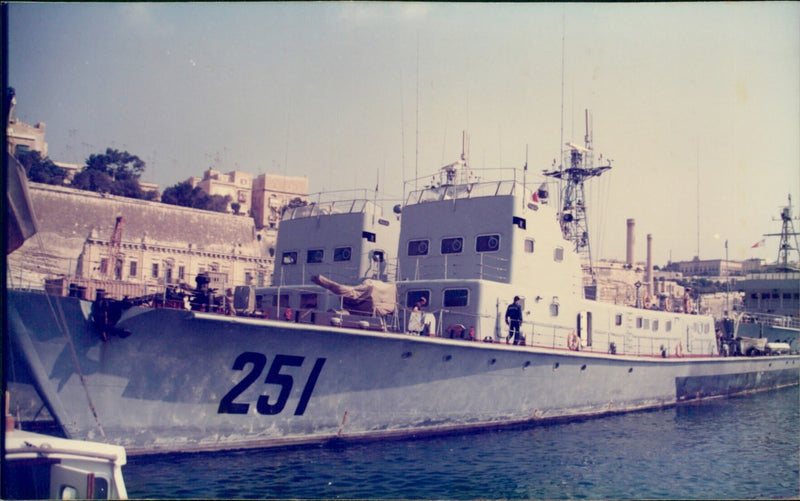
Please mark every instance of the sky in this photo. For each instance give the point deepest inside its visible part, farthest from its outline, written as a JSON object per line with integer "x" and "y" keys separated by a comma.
{"x": 697, "y": 105}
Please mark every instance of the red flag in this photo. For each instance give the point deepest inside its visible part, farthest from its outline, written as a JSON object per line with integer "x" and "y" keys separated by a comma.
{"x": 759, "y": 243}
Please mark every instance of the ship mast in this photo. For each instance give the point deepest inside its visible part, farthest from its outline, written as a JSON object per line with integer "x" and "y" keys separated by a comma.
{"x": 572, "y": 212}
{"x": 787, "y": 231}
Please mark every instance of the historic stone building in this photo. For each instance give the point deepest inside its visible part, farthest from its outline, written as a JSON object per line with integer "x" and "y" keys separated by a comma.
{"x": 272, "y": 194}
{"x": 22, "y": 138}
{"x": 132, "y": 247}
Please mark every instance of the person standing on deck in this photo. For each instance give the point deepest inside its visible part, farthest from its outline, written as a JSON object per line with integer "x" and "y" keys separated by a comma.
{"x": 514, "y": 320}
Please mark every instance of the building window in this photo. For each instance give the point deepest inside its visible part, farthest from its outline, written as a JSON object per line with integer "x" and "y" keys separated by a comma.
{"x": 168, "y": 272}
{"x": 452, "y": 245}
{"x": 133, "y": 269}
{"x": 529, "y": 245}
{"x": 314, "y": 256}
{"x": 342, "y": 253}
{"x": 181, "y": 273}
{"x": 103, "y": 266}
{"x": 260, "y": 279}
{"x": 418, "y": 248}
{"x": 289, "y": 258}
{"x": 456, "y": 297}
{"x": 155, "y": 270}
{"x": 487, "y": 243}
{"x": 248, "y": 278}
{"x": 618, "y": 319}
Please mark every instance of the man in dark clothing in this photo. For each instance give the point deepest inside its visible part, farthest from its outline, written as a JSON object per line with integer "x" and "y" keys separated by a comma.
{"x": 514, "y": 320}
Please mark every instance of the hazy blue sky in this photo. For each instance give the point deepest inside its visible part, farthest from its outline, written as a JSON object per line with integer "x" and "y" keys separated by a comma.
{"x": 332, "y": 91}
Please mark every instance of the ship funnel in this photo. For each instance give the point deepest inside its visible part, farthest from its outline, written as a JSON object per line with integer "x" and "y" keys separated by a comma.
{"x": 631, "y": 241}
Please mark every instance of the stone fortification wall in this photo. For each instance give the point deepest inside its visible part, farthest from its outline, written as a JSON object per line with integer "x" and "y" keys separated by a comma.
{"x": 69, "y": 212}
{"x": 67, "y": 218}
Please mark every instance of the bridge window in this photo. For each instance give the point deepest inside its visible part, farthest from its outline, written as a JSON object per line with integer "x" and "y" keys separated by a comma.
{"x": 487, "y": 243}
{"x": 456, "y": 297}
{"x": 618, "y": 319}
{"x": 655, "y": 325}
{"x": 289, "y": 258}
{"x": 639, "y": 322}
{"x": 314, "y": 255}
{"x": 452, "y": 245}
{"x": 342, "y": 253}
{"x": 413, "y": 296}
{"x": 284, "y": 300}
{"x": 668, "y": 326}
{"x": 308, "y": 301}
{"x": 418, "y": 248}
{"x": 558, "y": 254}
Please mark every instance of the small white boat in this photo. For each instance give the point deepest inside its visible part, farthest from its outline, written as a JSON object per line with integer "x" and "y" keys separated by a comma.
{"x": 37, "y": 466}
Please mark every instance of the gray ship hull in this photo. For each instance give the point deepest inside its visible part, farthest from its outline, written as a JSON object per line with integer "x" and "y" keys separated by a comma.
{"x": 180, "y": 381}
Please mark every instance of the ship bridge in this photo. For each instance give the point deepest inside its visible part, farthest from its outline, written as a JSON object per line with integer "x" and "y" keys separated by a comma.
{"x": 345, "y": 239}
{"x": 469, "y": 227}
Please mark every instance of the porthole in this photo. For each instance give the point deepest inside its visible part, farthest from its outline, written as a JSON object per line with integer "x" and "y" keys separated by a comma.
{"x": 555, "y": 366}
{"x": 447, "y": 358}
{"x": 406, "y": 354}
{"x": 630, "y": 370}
{"x": 492, "y": 361}
{"x": 583, "y": 367}
{"x": 526, "y": 364}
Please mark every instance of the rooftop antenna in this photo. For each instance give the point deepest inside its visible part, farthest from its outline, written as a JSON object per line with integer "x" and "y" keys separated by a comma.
{"x": 572, "y": 215}
{"x": 561, "y": 138}
{"x": 416, "y": 145}
{"x": 525, "y": 178}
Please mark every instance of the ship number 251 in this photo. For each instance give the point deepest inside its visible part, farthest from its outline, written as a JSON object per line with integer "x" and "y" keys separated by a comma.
{"x": 258, "y": 362}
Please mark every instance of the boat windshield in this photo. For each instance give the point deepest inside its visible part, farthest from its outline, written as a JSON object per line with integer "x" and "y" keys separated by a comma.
{"x": 471, "y": 190}
{"x": 315, "y": 209}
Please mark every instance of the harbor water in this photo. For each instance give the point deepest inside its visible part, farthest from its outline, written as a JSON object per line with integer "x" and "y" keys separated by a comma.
{"x": 745, "y": 447}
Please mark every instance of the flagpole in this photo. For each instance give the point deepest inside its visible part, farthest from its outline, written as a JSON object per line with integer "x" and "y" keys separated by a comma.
{"x": 727, "y": 279}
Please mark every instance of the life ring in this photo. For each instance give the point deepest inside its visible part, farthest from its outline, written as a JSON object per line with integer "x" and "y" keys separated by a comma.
{"x": 679, "y": 349}
{"x": 572, "y": 341}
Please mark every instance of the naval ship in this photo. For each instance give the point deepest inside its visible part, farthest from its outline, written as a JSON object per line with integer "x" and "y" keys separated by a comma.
{"x": 463, "y": 308}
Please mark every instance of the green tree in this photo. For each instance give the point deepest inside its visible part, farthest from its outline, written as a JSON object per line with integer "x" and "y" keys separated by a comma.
{"x": 41, "y": 170}
{"x": 184, "y": 195}
{"x": 115, "y": 172}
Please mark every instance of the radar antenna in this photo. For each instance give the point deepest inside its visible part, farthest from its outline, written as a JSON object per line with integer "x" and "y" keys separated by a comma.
{"x": 572, "y": 214}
